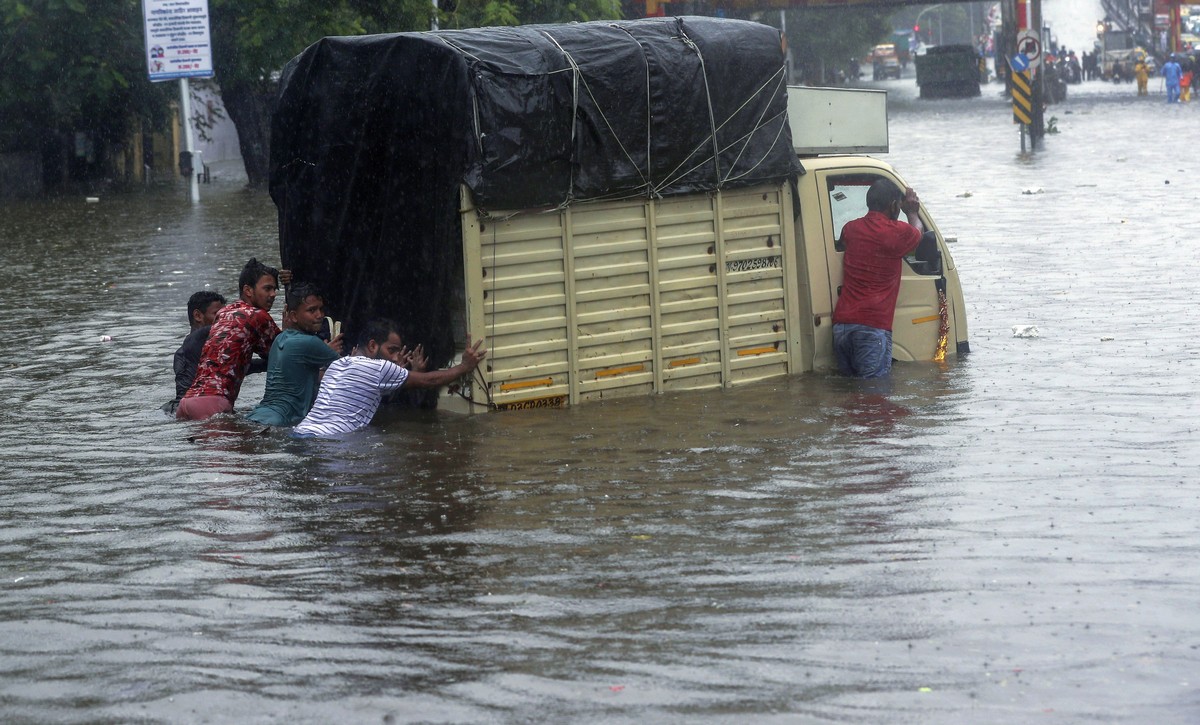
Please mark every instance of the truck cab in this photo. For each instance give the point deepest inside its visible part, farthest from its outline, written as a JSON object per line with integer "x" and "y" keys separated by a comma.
{"x": 834, "y": 192}
{"x": 832, "y": 131}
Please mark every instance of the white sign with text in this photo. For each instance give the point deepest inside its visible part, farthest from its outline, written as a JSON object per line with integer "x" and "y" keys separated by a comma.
{"x": 177, "y": 39}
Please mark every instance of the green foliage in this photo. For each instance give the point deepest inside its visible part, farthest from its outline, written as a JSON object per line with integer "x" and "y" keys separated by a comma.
{"x": 67, "y": 66}
{"x": 479, "y": 13}
{"x": 823, "y": 40}
{"x": 252, "y": 39}
{"x": 79, "y": 65}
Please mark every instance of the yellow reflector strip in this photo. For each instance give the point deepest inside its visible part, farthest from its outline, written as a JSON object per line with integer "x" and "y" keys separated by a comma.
{"x": 543, "y": 382}
{"x": 756, "y": 351}
{"x": 921, "y": 320}
{"x": 620, "y": 371}
{"x": 684, "y": 361}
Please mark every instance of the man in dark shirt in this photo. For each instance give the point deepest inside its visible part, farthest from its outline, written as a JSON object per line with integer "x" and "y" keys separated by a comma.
{"x": 875, "y": 247}
{"x": 201, "y": 311}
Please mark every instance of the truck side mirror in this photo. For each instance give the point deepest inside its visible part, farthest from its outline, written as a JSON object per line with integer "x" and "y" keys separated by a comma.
{"x": 928, "y": 258}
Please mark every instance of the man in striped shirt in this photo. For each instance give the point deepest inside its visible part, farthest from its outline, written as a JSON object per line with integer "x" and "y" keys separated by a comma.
{"x": 353, "y": 386}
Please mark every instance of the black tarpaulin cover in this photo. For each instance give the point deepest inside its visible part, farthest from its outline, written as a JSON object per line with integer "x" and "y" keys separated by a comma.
{"x": 374, "y": 135}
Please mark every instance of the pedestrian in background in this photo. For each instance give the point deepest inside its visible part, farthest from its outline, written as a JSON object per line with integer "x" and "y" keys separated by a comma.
{"x": 1172, "y": 73}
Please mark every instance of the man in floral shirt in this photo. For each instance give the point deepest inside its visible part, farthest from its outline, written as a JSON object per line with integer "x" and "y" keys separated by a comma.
{"x": 242, "y": 329}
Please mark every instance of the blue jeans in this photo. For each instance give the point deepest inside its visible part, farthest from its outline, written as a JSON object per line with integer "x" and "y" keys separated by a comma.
{"x": 861, "y": 351}
{"x": 1173, "y": 93}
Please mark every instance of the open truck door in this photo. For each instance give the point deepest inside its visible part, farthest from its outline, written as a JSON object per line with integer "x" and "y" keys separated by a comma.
{"x": 827, "y": 126}
{"x": 925, "y": 323}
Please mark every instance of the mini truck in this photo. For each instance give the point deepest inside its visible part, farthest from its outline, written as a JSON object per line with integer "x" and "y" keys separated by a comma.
{"x": 609, "y": 233}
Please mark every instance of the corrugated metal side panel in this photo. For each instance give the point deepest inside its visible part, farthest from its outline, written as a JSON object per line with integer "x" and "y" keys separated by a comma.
{"x": 524, "y": 303}
{"x": 755, "y": 288}
{"x": 614, "y": 321}
{"x": 688, "y": 291}
{"x": 671, "y": 294}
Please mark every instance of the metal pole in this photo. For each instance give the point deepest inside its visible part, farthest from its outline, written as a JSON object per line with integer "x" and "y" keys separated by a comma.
{"x": 1037, "y": 127}
{"x": 1006, "y": 43}
{"x": 185, "y": 120}
{"x": 787, "y": 58}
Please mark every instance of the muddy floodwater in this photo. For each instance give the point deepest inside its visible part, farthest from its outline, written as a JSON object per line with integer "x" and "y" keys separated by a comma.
{"x": 1011, "y": 537}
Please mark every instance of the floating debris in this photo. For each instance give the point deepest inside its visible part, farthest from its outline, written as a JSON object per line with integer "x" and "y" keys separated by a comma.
{"x": 1026, "y": 331}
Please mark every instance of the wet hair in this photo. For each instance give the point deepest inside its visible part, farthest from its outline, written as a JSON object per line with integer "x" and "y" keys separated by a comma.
{"x": 254, "y": 271}
{"x": 301, "y": 291}
{"x": 882, "y": 194}
{"x": 200, "y": 301}
{"x": 379, "y": 330}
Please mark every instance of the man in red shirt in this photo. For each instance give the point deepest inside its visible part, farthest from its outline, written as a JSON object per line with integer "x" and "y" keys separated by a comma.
{"x": 241, "y": 329}
{"x": 875, "y": 247}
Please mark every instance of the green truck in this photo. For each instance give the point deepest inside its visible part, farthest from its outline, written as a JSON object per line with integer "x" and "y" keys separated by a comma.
{"x": 948, "y": 71}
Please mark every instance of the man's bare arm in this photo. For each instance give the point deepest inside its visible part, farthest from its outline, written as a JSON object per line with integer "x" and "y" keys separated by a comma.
{"x": 911, "y": 206}
{"x": 472, "y": 356}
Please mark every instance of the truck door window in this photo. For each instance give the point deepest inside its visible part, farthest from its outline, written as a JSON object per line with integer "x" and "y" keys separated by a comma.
{"x": 848, "y": 200}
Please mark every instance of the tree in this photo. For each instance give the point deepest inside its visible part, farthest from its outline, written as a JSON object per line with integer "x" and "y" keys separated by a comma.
{"x": 251, "y": 42}
{"x": 825, "y": 39}
{"x": 67, "y": 67}
{"x": 480, "y": 13}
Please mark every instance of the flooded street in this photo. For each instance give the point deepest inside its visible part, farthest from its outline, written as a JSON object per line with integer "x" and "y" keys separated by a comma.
{"x": 1012, "y": 537}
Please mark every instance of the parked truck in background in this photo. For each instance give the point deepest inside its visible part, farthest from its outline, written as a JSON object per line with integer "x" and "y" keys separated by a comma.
{"x": 885, "y": 62}
{"x": 702, "y": 284}
{"x": 948, "y": 71}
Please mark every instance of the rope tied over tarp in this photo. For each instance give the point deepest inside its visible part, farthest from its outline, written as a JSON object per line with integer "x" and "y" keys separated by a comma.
{"x": 730, "y": 161}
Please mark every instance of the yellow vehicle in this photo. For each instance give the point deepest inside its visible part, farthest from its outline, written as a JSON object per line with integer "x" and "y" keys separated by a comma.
{"x": 701, "y": 291}
{"x": 700, "y": 285}
{"x": 885, "y": 63}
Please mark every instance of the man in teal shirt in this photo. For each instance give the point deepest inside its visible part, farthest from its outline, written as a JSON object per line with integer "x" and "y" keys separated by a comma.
{"x": 296, "y": 360}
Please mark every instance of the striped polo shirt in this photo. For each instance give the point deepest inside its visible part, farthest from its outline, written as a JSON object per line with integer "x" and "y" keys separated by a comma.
{"x": 350, "y": 393}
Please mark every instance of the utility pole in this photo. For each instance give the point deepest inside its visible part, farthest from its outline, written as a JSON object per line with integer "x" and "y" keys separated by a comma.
{"x": 1037, "y": 129}
{"x": 185, "y": 120}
